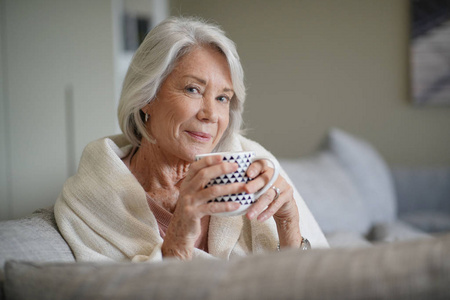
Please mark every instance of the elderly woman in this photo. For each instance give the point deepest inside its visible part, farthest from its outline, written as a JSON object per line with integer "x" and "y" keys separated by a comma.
{"x": 141, "y": 196}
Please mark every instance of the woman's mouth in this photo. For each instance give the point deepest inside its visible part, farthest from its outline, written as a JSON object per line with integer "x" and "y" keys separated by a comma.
{"x": 200, "y": 136}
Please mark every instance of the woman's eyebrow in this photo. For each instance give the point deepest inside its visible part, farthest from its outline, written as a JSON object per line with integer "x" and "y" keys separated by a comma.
{"x": 226, "y": 90}
{"x": 202, "y": 81}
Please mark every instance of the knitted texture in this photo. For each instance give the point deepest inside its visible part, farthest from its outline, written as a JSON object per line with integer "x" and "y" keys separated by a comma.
{"x": 103, "y": 213}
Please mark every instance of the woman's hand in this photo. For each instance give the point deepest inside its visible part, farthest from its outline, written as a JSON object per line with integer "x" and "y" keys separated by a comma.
{"x": 192, "y": 204}
{"x": 283, "y": 209}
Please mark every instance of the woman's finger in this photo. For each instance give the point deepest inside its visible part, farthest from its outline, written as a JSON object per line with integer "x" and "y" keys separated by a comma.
{"x": 273, "y": 207}
{"x": 283, "y": 207}
{"x": 266, "y": 199}
{"x": 205, "y": 175}
{"x": 219, "y": 207}
{"x": 260, "y": 181}
{"x": 203, "y": 163}
{"x": 256, "y": 168}
{"x": 261, "y": 204}
{"x": 218, "y": 190}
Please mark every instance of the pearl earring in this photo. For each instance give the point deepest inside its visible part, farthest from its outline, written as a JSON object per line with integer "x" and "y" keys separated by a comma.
{"x": 146, "y": 117}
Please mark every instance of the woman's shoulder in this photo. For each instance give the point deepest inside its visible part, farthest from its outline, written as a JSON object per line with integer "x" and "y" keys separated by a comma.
{"x": 106, "y": 152}
{"x": 117, "y": 140}
{"x": 114, "y": 143}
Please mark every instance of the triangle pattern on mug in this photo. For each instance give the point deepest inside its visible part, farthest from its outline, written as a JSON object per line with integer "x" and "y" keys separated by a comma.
{"x": 243, "y": 160}
{"x": 242, "y": 198}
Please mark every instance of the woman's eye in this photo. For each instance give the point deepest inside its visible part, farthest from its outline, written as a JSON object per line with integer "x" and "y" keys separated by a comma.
{"x": 223, "y": 99}
{"x": 192, "y": 90}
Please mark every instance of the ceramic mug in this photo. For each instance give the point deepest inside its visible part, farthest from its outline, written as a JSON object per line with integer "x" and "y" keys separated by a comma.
{"x": 243, "y": 159}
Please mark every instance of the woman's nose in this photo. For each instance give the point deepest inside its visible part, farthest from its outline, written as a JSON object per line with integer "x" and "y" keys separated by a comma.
{"x": 208, "y": 112}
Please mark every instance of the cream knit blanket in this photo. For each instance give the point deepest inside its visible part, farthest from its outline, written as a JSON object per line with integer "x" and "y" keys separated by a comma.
{"x": 103, "y": 213}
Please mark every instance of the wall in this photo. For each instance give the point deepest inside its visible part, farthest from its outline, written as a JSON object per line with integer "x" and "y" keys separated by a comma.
{"x": 4, "y": 166}
{"x": 57, "y": 95}
{"x": 61, "y": 69}
{"x": 311, "y": 65}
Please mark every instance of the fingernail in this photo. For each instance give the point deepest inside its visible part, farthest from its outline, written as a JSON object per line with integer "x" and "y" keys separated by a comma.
{"x": 262, "y": 218}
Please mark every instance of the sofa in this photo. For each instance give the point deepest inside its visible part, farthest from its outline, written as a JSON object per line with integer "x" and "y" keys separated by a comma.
{"x": 388, "y": 228}
{"x": 359, "y": 200}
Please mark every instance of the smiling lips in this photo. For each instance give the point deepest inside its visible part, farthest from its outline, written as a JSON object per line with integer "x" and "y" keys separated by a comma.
{"x": 201, "y": 136}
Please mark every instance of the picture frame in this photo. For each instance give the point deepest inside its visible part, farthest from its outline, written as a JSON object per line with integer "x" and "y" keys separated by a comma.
{"x": 430, "y": 52}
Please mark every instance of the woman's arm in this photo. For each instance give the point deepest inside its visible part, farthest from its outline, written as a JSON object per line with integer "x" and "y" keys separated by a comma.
{"x": 289, "y": 233}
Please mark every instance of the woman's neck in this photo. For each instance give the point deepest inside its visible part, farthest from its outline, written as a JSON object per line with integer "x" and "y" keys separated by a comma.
{"x": 159, "y": 174}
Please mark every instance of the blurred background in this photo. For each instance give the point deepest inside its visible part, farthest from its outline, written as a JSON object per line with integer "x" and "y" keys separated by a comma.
{"x": 310, "y": 65}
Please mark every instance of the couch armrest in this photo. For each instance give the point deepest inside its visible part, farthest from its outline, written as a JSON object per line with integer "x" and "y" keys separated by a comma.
{"x": 410, "y": 270}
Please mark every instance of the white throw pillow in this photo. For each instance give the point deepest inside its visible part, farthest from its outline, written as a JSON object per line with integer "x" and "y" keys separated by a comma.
{"x": 329, "y": 192}
{"x": 368, "y": 171}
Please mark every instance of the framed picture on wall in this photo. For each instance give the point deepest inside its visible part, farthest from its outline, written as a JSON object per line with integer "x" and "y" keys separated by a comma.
{"x": 430, "y": 52}
{"x": 135, "y": 28}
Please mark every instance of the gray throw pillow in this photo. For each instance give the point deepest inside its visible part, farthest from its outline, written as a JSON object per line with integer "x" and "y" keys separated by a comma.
{"x": 329, "y": 192}
{"x": 33, "y": 238}
{"x": 409, "y": 270}
{"x": 369, "y": 172}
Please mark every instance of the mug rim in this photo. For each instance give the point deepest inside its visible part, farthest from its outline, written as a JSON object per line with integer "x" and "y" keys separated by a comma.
{"x": 223, "y": 153}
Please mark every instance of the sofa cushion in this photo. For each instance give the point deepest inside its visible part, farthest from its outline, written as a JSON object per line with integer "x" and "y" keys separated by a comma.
{"x": 34, "y": 238}
{"x": 369, "y": 172}
{"x": 329, "y": 192}
{"x": 408, "y": 270}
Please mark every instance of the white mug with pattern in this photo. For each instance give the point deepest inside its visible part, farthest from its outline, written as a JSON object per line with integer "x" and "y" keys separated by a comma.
{"x": 243, "y": 159}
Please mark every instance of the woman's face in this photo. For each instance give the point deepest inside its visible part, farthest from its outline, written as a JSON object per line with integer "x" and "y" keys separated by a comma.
{"x": 191, "y": 110}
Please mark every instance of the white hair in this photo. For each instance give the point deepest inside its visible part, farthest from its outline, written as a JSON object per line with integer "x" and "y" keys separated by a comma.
{"x": 157, "y": 56}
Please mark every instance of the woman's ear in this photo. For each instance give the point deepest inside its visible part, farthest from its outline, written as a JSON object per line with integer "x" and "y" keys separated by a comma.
{"x": 146, "y": 109}
{"x": 145, "y": 112}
